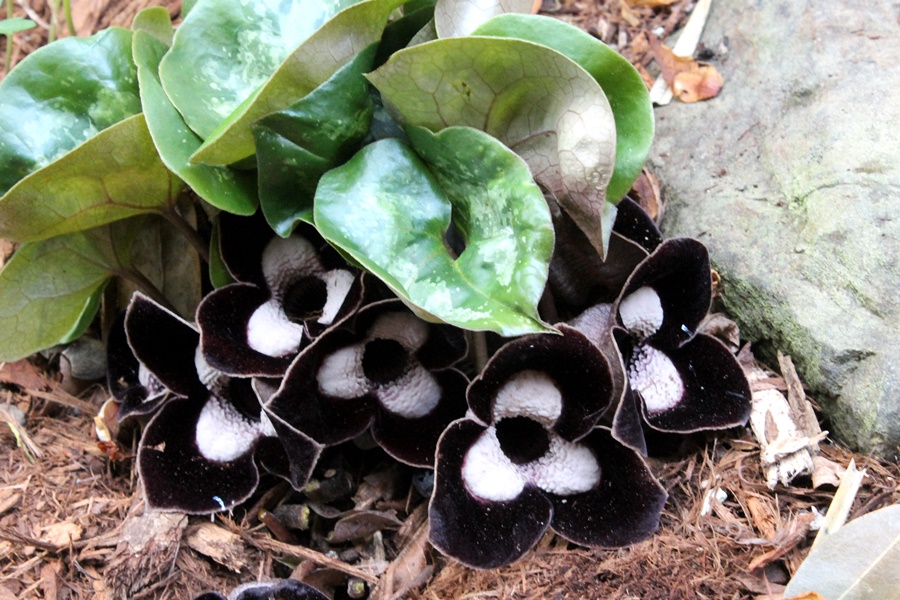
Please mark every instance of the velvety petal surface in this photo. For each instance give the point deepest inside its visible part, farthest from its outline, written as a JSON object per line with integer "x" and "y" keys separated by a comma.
{"x": 716, "y": 392}
{"x": 165, "y": 343}
{"x": 301, "y": 403}
{"x": 624, "y": 508}
{"x": 479, "y": 533}
{"x": 678, "y": 273}
{"x": 414, "y": 440}
{"x": 575, "y": 365}
{"x": 177, "y": 476}
{"x": 223, "y": 318}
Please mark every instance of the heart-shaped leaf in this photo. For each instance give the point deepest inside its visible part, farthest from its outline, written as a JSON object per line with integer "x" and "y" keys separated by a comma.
{"x": 262, "y": 68}
{"x": 62, "y": 95}
{"x": 456, "y": 18}
{"x": 224, "y": 188}
{"x": 391, "y": 211}
{"x": 50, "y": 289}
{"x": 114, "y": 175}
{"x": 622, "y": 84}
{"x": 226, "y": 49}
{"x": 296, "y": 146}
{"x": 535, "y": 100}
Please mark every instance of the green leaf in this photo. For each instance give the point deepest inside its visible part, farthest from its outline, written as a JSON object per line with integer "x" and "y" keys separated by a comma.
{"x": 114, "y": 175}
{"x": 15, "y": 25}
{"x": 538, "y": 102}
{"x": 224, "y": 188}
{"x": 456, "y": 18}
{"x": 226, "y": 49}
{"x": 344, "y": 36}
{"x": 296, "y": 146}
{"x": 398, "y": 33}
{"x": 61, "y": 96}
{"x": 860, "y": 560}
{"x": 391, "y": 210}
{"x": 622, "y": 84}
{"x": 49, "y": 288}
{"x": 87, "y": 317}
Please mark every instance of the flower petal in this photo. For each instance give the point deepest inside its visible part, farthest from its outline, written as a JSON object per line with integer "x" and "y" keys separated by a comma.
{"x": 177, "y": 476}
{"x": 124, "y": 376}
{"x": 479, "y": 533}
{"x": 678, "y": 272}
{"x": 303, "y": 401}
{"x": 570, "y": 361}
{"x": 165, "y": 343}
{"x": 241, "y": 244}
{"x": 624, "y": 508}
{"x": 224, "y": 317}
{"x": 716, "y": 392}
{"x": 394, "y": 432}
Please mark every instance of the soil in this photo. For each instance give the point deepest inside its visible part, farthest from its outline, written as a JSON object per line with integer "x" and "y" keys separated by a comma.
{"x": 73, "y": 525}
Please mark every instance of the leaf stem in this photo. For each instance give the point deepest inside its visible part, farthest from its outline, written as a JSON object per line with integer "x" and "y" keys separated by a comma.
{"x": 9, "y": 39}
{"x": 193, "y": 238}
{"x": 70, "y": 22}
{"x": 148, "y": 287}
{"x": 479, "y": 350}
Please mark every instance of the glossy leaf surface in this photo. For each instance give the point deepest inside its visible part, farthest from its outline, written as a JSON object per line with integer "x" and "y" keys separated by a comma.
{"x": 622, "y": 84}
{"x": 390, "y": 209}
{"x": 296, "y": 146}
{"x": 538, "y": 102}
{"x": 262, "y": 67}
{"x": 47, "y": 287}
{"x": 222, "y": 187}
{"x": 114, "y": 175}
{"x": 454, "y": 18}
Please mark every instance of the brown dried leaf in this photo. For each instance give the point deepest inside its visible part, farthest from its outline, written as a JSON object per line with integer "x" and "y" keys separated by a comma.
{"x": 786, "y": 540}
{"x": 701, "y": 84}
{"x": 802, "y": 410}
{"x": 723, "y": 328}
{"x": 60, "y": 534}
{"x": 807, "y": 596}
{"x": 688, "y": 79}
{"x": 826, "y": 472}
{"x": 25, "y": 375}
{"x": 361, "y": 525}
{"x": 219, "y": 544}
{"x": 646, "y": 193}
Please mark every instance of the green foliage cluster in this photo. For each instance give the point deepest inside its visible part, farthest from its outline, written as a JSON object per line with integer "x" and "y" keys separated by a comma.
{"x": 380, "y": 122}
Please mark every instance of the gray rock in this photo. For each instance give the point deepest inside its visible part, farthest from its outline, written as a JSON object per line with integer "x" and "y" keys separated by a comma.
{"x": 791, "y": 176}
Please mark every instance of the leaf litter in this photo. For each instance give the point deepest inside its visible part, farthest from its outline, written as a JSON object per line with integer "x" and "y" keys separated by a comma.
{"x": 73, "y": 525}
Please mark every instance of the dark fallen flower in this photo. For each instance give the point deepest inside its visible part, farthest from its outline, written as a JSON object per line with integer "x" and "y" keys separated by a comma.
{"x": 386, "y": 369}
{"x": 679, "y": 381}
{"x": 199, "y": 453}
{"x": 529, "y": 457}
{"x": 288, "y": 291}
{"x": 285, "y": 589}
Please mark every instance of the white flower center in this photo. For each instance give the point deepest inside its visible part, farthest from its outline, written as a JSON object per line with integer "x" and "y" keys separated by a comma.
{"x": 641, "y": 312}
{"x": 413, "y": 395}
{"x": 565, "y": 468}
{"x": 529, "y": 393}
{"x": 270, "y": 332}
{"x": 222, "y": 433}
{"x": 654, "y": 376}
{"x": 286, "y": 259}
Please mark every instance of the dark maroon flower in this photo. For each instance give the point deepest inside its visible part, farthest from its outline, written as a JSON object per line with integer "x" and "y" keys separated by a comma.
{"x": 529, "y": 457}
{"x": 679, "y": 381}
{"x": 288, "y": 291}
{"x": 199, "y": 453}
{"x": 386, "y": 369}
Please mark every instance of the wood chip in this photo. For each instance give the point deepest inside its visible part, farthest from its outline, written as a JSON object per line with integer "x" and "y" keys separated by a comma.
{"x": 219, "y": 544}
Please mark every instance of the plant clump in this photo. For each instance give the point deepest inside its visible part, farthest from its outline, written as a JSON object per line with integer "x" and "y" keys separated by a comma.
{"x": 401, "y": 225}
